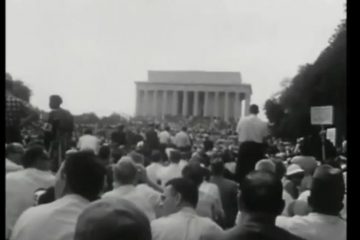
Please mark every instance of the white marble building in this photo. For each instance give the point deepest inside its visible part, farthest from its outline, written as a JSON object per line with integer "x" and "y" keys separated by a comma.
{"x": 193, "y": 93}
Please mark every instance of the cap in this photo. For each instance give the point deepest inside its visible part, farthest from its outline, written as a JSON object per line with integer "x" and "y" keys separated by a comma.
{"x": 110, "y": 219}
{"x": 293, "y": 169}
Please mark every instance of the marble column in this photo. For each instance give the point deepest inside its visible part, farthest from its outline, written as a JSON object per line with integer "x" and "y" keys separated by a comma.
{"x": 164, "y": 104}
{"x": 226, "y": 100}
{"x": 175, "y": 103}
{"x": 206, "y": 104}
{"x": 217, "y": 105}
{"x": 185, "y": 103}
{"x": 155, "y": 103}
{"x": 237, "y": 106}
{"x": 138, "y": 104}
{"x": 146, "y": 103}
{"x": 247, "y": 104}
{"x": 196, "y": 103}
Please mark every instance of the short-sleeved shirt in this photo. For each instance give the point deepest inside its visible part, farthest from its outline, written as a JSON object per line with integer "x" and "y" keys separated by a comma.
{"x": 16, "y": 109}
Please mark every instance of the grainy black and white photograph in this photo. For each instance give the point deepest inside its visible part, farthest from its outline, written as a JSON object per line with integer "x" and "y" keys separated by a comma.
{"x": 176, "y": 120}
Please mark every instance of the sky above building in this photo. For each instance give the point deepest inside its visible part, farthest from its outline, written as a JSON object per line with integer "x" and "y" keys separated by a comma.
{"x": 92, "y": 51}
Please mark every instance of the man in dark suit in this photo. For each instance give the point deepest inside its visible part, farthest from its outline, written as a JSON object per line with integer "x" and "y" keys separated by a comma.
{"x": 260, "y": 203}
{"x": 228, "y": 191}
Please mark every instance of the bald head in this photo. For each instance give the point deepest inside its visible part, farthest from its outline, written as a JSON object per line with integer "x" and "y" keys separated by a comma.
{"x": 125, "y": 171}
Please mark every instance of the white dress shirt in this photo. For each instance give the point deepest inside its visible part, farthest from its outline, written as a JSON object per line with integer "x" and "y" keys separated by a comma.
{"x": 211, "y": 189}
{"x": 314, "y": 226}
{"x": 10, "y": 166}
{"x": 182, "y": 139}
{"x": 55, "y": 221}
{"x": 153, "y": 170}
{"x": 89, "y": 142}
{"x": 165, "y": 137}
{"x": 136, "y": 196}
{"x": 20, "y": 188}
{"x": 183, "y": 225}
{"x": 169, "y": 172}
{"x": 252, "y": 129}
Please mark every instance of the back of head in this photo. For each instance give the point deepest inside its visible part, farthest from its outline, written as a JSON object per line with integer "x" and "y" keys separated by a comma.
{"x": 88, "y": 131}
{"x": 327, "y": 190}
{"x": 265, "y": 165}
{"x": 55, "y": 101}
{"x": 137, "y": 157}
{"x": 193, "y": 172}
{"x": 125, "y": 171}
{"x": 104, "y": 152}
{"x": 84, "y": 174}
{"x": 184, "y": 128}
{"x": 107, "y": 219}
{"x": 175, "y": 156}
{"x": 254, "y": 109}
{"x": 261, "y": 192}
{"x": 187, "y": 189}
{"x": 155, "y": 156}
{"x": 167, "y": 128}
{"x": 34, "y": 154}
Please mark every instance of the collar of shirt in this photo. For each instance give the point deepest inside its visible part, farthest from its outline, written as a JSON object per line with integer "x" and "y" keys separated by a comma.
{"x": 72, "y": 197}
{"x": 324, "y": 217}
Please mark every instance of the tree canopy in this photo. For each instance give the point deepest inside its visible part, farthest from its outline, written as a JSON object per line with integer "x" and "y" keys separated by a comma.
{"x": 318, "y": 84}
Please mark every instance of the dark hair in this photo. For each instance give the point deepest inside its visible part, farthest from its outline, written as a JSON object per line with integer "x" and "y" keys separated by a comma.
{"x": 56, "y": 100}
{"x": 88, "y": 131}
{"x": 33, "y": 154}
{"x": 116, "y": 155}
{"x": 188, "y": 190}
{"x": 175, "y": 156}
{"x": 167, "y": 128}
{"x": 184, "y": 128}
{"x": 193, "y": 172}
{"x": 254, "y": 109}
{"x": 261, "y": 192}
{"x": 327, "y": 190}
{"x": 155, "y": 156}
{"x": 104, "y": 152}
{"x": 85, "y": 174}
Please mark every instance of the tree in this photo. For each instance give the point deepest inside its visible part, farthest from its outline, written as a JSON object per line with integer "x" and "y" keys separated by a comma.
{"x": 320, "y": 83}
{"x": 21, "y": 90}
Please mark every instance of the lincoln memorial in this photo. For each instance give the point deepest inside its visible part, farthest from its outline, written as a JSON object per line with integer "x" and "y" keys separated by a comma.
{"x": 193, "y": 93}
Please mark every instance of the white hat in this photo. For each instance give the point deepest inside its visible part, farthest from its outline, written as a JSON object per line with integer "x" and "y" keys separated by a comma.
{"x": 293, "y": 169}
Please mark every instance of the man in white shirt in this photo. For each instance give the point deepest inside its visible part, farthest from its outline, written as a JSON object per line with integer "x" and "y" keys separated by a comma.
{"x": 252, "y": 132}
{"x": 172, "y": 171}
{"x": 180, "y": 221}
{"x": 164, "y": 136}
{"x": 125, "y": 176}
{"x": 21, "y": 185}
{"x": 155, "y": 166}
{"x": 84, "y": 177}
{"x": 89, "y": 142}
{"x": 182, "y": 140}
{"x": 326, "y": 199}
{"x": 14, "y": 153}
{"x": 112, "y": 219}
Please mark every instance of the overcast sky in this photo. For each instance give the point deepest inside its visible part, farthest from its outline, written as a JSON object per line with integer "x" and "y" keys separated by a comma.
{"x": 92, "y": 51}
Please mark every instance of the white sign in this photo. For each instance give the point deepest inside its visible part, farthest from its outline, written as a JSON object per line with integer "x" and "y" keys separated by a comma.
{"x": 322, "y": 115}
{"x": 331, "y": 135}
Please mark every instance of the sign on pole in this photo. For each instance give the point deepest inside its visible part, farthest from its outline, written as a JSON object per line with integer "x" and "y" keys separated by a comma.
{"x": 331, "y": 135}
{"x": 322, "y": 115}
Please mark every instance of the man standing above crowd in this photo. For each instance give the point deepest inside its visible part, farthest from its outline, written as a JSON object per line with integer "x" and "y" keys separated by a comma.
{"x": 18, "y": 113}
{"x": 118, "y": 137}
{"x": 182, "y": 140}
{"x": 61, "y": 124}
{"x": 252, "y": 132}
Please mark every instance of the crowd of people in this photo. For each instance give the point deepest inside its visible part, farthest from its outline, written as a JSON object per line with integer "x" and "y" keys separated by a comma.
{"x": 151, "y": 181}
